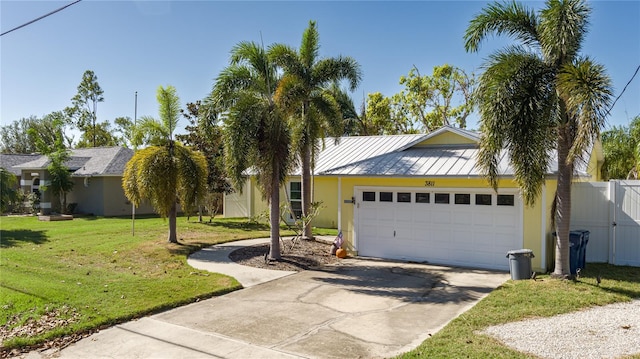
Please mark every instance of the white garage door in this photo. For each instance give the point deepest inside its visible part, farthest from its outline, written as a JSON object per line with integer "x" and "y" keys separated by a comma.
{"x": 463, "y": 227}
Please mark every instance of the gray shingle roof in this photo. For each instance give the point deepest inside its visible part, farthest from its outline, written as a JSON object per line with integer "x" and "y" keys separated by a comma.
{"x": 98, "y": 161}
{"x": 10, "y": 161}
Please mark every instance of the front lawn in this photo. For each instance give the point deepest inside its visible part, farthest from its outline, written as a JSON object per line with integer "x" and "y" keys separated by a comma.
{"x": 518, "y": 300}
{"x": 60, "y": 278}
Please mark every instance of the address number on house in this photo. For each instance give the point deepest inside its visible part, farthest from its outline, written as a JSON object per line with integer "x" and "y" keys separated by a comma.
{"x": 429, "y": 183}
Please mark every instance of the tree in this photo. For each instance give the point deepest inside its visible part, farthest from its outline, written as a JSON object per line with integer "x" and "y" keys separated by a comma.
{"x": 303, "y": 92}
{"x": 621, "y": 147}
{"x": 127, "y": 129}
{"x": 101, "y": 134}
{"x": 7, "y": 189}
{"x": 537, "y": 97}
{"x": 85, "y": 106}
{"x": 256, "y": 134}
{"x": 60, "y": 182}
{"x": 429, "y": 101}
{"x": 205, "y": 135}
{"x": 167, "y": 171}
{"x": 22, "y": 136}
{"x": 387, "y": 116}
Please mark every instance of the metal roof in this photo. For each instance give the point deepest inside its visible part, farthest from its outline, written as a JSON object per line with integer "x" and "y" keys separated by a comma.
{"x": 359, "y": 148}
{"x": 399, "y": 156}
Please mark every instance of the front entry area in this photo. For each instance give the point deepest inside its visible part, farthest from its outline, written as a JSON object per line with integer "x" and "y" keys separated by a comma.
{"x": 470, "y": 227}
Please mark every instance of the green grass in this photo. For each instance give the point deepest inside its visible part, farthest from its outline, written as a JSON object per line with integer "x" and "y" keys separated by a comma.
{"x": 94, "y": 272}
{"x": 519, "y": 300}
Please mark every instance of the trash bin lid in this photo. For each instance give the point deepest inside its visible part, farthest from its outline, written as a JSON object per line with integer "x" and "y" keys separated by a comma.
{"x": 520, "y": 252}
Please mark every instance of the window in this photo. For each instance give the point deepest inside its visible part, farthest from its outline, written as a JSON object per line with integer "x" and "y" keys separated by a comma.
{"x": 295, "y": 196}
{"x": 422, "y": 197}
{"x": 462, "y": 198}
{"x": 386, "y": 196}
{"x": 483, "y": 199}
{"x": 368, "y": 196}
{"x": 404, "y": 197}
{"x": 506, "y": 200}
{"x": 442, "y": 198}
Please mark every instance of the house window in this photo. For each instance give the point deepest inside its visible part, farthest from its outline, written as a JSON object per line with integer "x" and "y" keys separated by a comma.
{"x": 368, "y": 196}
{"x": 483, "y": 199}
{"x": 506, "y": 200}
{"x": 295, "y": 196}
{"x": 462, "y": 198}
{"x": 442, "y": 198}
{"x": 404, "y": 197}
{"x": 386, "y": 196}
{"x": 422, "y": 197}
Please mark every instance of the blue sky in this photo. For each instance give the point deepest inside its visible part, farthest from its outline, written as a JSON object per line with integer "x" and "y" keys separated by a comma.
{"x": 138, "y": 45}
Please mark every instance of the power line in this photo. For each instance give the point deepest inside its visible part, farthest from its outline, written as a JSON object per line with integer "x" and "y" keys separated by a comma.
{"x": 623, "y": 90}
{"x": 40, "y": 18}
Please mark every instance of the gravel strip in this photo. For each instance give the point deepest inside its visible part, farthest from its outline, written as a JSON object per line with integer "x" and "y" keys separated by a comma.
{"x": 609, "y": 331}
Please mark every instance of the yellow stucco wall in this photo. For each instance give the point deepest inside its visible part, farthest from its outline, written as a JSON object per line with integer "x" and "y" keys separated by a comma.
{"x": 536, "y": 224}
{"x": 326, "y": 190}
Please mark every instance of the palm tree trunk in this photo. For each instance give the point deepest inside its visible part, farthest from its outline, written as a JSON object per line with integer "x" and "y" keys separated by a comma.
{"x": 563, "y": 205}
{"x": 306, "y": 191}
{"x": 173, "y": 235}
{"x": 274, "y": 216}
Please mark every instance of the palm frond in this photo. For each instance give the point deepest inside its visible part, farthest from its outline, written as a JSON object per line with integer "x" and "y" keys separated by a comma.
{"x": 508, "y": 18}
{"x": 169, "y": 108}
{"x": 309, "y": 46}
{"x": 334, "y": 69}
{"x": 587, "y": 92}
{"x": 517, "y": 113}
{"x": 563, "y": 25}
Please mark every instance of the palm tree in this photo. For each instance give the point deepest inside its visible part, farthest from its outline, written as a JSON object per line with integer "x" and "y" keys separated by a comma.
{"x": 537, "y": 97}
{"x": 256, "y": 134}
{"x": 167, "y": 171}
{"x": 303, "y": 91}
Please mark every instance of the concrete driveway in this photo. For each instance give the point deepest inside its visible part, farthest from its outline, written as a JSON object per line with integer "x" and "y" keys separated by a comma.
{"x": 357, "y": 309}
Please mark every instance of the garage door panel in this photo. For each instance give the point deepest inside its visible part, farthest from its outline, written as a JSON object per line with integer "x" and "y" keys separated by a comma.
{"x": 441, "y": 217}
{"x": 463, "y": 217}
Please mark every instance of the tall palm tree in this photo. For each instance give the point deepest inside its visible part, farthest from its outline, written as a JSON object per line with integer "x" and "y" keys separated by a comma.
{"x": 256, "y": 134}
{"x": 303, "y": 91}
{"x": 539, "y": 96}
{"x": 166, "y": 171}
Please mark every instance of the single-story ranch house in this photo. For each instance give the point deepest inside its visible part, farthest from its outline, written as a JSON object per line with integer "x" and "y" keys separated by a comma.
{"x": 421, "y": 197}
{"x": 96, "y": 173}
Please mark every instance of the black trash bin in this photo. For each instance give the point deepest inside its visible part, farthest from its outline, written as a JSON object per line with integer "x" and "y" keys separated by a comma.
{"x": 520, "y": 263}
{"x": 577, "y": 249}
{"x": 575, "y": 246}
{"x": 582, "y": 258}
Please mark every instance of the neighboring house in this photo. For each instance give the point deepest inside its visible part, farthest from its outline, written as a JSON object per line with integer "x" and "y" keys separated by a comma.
{"x": 97, "y": 176}
{"x": 422, "y": 198}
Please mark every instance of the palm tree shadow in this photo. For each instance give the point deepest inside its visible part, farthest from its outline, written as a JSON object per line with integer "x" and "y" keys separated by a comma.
{"x": 401, "y": 283}
{"x": 11, "y": 238}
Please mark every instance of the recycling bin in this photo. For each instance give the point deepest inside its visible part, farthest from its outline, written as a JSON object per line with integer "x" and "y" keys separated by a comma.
{"x": 575, "y": 246}
{"x": 582, "y": 258}
{"x": 578, "y": 240}
{"x": 520, "y": 263}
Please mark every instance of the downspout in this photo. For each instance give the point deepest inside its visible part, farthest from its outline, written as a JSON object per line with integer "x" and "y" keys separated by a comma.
{"x": 339, "y": 204}
{"x": 249, "y": 209}
{"x": 543, "y": 229}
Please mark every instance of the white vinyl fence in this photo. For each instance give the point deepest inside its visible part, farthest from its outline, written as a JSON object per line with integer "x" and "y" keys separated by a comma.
{"x": 611, "y": 212}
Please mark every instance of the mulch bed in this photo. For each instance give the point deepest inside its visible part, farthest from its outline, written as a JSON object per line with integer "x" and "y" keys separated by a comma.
{"x": 296, "y": 256}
